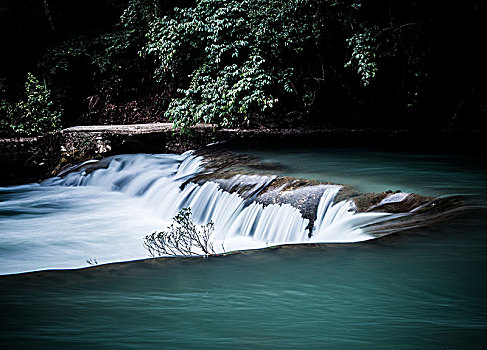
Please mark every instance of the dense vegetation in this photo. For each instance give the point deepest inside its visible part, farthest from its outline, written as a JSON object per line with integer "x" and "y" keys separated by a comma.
{"x": 242, "y": 63}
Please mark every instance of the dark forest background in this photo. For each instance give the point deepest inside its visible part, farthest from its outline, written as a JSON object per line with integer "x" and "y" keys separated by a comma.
{"x": 301, "y": 63}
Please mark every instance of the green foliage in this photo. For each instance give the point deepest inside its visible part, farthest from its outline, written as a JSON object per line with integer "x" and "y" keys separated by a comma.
{"x": 101, "y": 52}
{"x": 33, "y": 116}
{"x": 139, "y": 13}
{"x": 363, "y": 57}
{"x": 226, "y": 61}
{"x": 104, "y": 63}
{"x": 105, "y": 50}
{"x": 231, "y": 58}
{"x": 37, "y": 113}
{"x": 6, "y": 110}
{"x": 223, "y": 61}
{"x": 181, "y": 238}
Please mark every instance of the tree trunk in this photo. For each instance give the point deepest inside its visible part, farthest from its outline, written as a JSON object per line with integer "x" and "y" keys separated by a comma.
{"x": 48, "y": 15}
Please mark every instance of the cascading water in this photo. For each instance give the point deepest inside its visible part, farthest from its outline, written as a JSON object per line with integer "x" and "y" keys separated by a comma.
{"x": 102, "y": 212}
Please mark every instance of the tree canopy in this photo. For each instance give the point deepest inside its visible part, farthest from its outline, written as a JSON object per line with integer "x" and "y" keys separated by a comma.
{"x": 244, "y": 63}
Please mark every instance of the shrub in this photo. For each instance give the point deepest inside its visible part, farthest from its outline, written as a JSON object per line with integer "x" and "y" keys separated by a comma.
{"x": 234, "y": 58}
{"x": 6, "y": 111}
{"x": 182, "y": 237}
{"x": 33, "y": 116}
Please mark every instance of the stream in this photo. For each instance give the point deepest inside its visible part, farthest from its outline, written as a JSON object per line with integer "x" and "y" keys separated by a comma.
{"x": 422, "y": 288}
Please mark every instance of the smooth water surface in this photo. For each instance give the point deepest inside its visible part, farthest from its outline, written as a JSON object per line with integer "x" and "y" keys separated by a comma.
{"x": 424, "y": 289}
{"x": 372, "y": 170}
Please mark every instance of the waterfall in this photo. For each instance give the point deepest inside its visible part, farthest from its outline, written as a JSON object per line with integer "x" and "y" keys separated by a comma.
{"x": 339, "y": 223}
{"x": 240, "y": 222}
{"x": 102, "y": 210}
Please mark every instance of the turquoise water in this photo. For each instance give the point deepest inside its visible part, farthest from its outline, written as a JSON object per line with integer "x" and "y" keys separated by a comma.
{"x": 371, "y": 170}
{"x": 424, "y": 289}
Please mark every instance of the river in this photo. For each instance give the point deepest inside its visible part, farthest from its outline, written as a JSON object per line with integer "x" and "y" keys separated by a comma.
{"x": 424, "y": 288}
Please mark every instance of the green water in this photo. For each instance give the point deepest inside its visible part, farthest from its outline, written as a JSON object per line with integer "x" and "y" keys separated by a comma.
{"x": 370, "y": 170}
{"x": 424, "y": 289}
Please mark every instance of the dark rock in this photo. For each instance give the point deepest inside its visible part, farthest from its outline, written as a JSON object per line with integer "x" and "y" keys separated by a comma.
{"x": 36, "y": 158}
{"x": 240, "y": 173}
{"x": 27, "y": 159}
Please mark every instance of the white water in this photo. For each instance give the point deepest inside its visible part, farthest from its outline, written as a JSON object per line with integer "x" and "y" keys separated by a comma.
{"x": 105, "y": 214}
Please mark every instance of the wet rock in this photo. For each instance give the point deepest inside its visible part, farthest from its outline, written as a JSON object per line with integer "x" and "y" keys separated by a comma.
{"x": 241, "y": 174}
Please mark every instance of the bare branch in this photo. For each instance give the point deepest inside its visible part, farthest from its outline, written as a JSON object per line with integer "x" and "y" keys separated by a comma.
{"x": 181, "y": 238}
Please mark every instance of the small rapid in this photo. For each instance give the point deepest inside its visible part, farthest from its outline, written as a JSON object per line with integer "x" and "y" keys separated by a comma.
{"x": 100, "y": 212}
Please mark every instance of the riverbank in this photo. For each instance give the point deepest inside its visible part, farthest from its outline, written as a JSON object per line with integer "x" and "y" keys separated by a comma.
{"x": 31, "y": 159}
